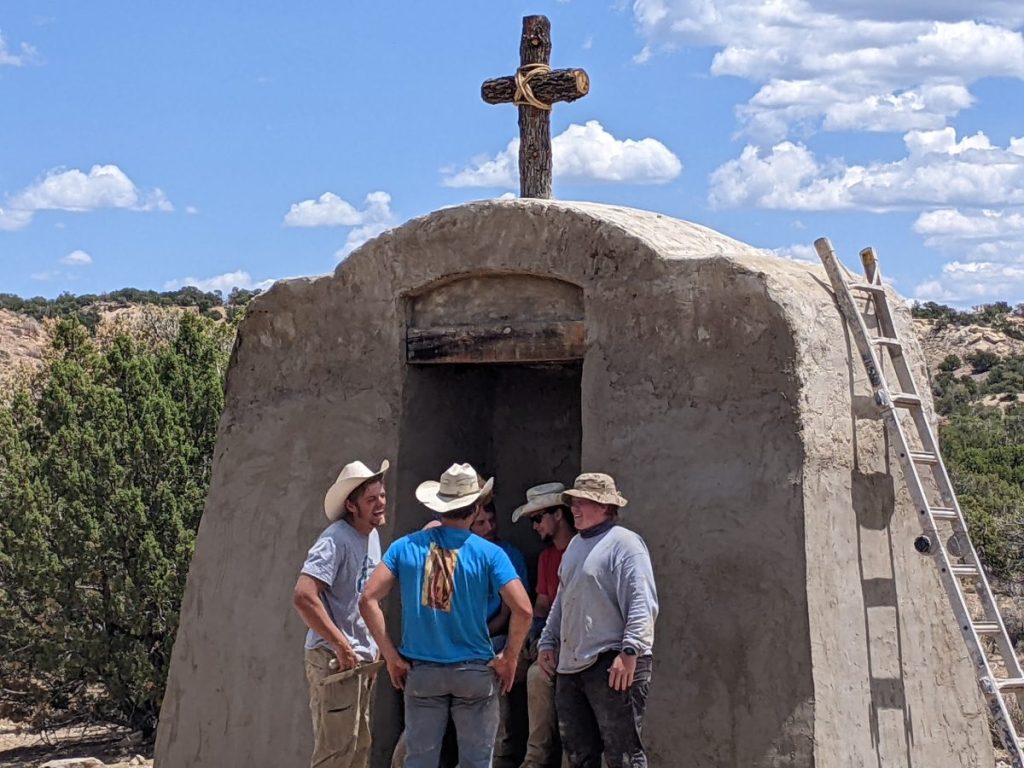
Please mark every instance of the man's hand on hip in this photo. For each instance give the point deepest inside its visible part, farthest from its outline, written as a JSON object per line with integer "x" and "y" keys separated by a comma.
{"x": 620, "y": 673}
{"x": 505, "y": 668}
{"x": 548, "y": 663}
{"x": 398, "y": 669}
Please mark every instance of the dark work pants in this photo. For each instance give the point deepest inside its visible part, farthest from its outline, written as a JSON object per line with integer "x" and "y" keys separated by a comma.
{"x": 594, "y": 719}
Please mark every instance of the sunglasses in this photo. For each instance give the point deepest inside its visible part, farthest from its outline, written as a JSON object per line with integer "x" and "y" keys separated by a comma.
{"x": 540, "y": 515}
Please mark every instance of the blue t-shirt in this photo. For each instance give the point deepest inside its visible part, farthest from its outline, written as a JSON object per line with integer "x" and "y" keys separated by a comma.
{"x": 519, "y": 563}
{"x": 445, "y": 576}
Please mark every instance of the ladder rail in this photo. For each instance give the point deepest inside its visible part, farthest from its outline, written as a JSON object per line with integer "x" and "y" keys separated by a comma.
{"x": 950, "y": 573}
{"x": 940, "y": 474}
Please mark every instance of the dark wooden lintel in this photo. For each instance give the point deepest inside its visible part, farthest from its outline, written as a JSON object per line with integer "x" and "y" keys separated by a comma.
{"x": 518, "y": 342}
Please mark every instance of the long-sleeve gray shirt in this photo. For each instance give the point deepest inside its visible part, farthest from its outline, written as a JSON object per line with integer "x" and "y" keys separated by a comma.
{"x": 606, "y": 600}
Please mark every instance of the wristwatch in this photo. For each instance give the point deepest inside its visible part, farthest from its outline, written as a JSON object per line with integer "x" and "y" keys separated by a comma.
{"x": 629, "y": 651}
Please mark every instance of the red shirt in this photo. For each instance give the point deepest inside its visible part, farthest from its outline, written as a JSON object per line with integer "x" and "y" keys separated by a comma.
{"x": 547, "y": 571}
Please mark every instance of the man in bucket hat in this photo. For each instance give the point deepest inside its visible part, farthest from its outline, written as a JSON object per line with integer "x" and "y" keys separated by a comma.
{"x": 600, "y": 633}
{"x": 446, "y": 663}
{"x": 340, "y": 652}
{"x": 552, "y": 521}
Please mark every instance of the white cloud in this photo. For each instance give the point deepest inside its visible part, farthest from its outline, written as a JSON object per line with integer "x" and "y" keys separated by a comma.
{"x": 644, "y": 56}
{"x": 799, "y": 252}
{"x": 985, "y": 249}
{"x": 924, "y": 108}
{"x": 938, "y": 170}
{"x": 950, "y": 225}
{"x": 871, "y": 65}
{"x": 377, "y": 218}
{"x": 581, "y": 154}
{"x": 27, "y": 54}
{"x": 329, "y": 210}
{"x": 104, "y": 186}
{"x": 77, "y": 258}
{"x": 502, "y": 170}
{"x": 223, "y": 283}
{"x": 191, "y": 210}
{"x": 11, "y": 219}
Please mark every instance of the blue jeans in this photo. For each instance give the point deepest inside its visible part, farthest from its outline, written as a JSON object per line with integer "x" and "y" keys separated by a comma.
{"x": 469, "y": 690}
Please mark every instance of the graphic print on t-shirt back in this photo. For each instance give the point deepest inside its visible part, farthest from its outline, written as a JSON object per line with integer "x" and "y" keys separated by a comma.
{"x": 439, "y": 578}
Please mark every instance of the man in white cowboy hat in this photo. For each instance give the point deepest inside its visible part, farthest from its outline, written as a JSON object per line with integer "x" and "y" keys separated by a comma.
{"x": 446, "y": 663}
{"x": 552, "y": 521}
{"x": 340, "y": 652}
{"x": 600, "y": 633}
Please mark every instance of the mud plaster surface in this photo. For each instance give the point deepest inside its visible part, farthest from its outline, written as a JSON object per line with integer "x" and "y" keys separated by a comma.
{"x": 797, "y": 626}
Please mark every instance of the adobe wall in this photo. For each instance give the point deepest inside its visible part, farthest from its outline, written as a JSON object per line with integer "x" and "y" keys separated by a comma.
{"x": 716, "y": 388}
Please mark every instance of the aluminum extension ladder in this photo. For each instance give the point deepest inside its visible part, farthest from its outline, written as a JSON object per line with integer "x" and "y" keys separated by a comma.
{"x": 955, "y": 558}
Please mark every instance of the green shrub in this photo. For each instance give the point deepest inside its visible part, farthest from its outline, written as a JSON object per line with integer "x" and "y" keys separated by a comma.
{"x": 103, "y": 474}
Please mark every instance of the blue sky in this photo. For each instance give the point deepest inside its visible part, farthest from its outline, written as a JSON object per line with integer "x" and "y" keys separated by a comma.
{"x": 222, "y": 144}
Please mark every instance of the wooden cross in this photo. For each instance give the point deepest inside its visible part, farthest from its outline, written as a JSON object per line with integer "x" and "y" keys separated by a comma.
{"x": 534, "y": 88}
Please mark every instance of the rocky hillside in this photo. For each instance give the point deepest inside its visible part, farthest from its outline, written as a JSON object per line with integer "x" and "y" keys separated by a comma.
{"x": 941, "y": 339}
{"x": 24, "y": 331}
{"x": 22, "y": 340}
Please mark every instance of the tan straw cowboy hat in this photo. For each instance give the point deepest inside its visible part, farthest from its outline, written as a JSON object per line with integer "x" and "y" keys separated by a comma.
{"x": 459, "y": 487}
{"x": 543, "y": 496}
{"x": 351, "y": 477}
{"x": 595, "y": 486}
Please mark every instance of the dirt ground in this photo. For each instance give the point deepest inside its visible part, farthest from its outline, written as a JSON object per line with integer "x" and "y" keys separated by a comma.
{"x": 21, "y": 747}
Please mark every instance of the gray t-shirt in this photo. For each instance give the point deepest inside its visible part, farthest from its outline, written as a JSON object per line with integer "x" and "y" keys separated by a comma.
{"x": 343, "y": 559}
{"x": 606, "y": 600}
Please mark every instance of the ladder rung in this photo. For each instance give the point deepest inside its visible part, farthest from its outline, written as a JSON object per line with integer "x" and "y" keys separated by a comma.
{"x": 923, "y": 457}
{"x": 1011, "y": 684}
{"x": 963, "y": 570}
{"x": 905, "y": 399}
{"x": 887, "y": 341}
{"x": 944, "y": 513}
{"x": 869, "y": 287}
{"x": 987, "y": 628}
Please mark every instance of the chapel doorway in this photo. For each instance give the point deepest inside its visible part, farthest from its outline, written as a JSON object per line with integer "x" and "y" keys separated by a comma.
{"x": 493, "y": 377}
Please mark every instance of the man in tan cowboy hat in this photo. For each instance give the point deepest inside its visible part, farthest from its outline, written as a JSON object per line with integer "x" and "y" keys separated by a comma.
{"x": 446, "y": 663}
{"x": 552, "y": 521}
{"x": 600, "y": 633}
{"x": 340, "y": 652}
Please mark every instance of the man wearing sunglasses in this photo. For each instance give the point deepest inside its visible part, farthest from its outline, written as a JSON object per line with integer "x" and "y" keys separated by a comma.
{"x": 553, "y": 522}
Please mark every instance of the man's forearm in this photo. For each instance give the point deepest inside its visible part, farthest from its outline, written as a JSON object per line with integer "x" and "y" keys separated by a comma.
{"x": 373, "y": 615}
{"x": 519, "y": 627}
{"x": 315, "y": 616}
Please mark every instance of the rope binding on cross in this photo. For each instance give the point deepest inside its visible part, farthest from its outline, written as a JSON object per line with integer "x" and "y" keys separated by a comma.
{"x": 524, "y": 93}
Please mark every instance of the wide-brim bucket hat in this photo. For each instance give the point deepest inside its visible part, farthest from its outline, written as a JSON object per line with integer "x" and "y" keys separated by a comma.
{"x": 595, "y": 486}
{"x": 351, "y": 477}
{"x": 540, "y": 497}
{"x": 460, "y": 486}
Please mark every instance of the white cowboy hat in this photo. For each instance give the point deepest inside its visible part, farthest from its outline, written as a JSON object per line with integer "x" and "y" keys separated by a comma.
{"x": 351, "y": 477}
{"x": 595, "y": 486}
{"x": 540, "y": 497}
{"x": 459, "y": 487}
